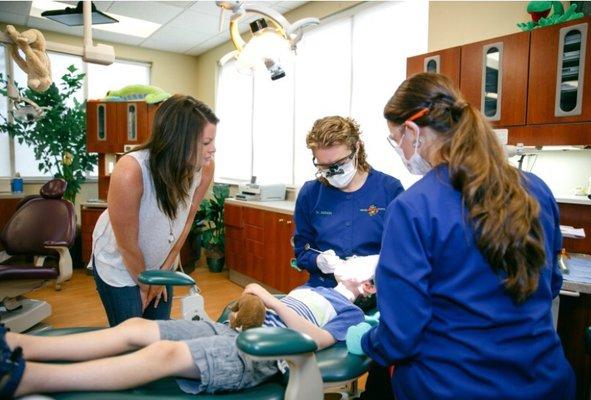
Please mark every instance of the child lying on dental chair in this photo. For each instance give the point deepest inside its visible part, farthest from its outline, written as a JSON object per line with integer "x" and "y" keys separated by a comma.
{"x": 203, "y": 354}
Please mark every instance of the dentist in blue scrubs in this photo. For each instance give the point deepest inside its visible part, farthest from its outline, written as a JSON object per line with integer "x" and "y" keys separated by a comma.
{"x": 467, "y": 270}
{"x": 341, "y": 213}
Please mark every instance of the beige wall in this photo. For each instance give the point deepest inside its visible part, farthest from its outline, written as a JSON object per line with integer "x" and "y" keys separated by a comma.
{"x": 453, "y": 23}
{"x": 172, "y": 72}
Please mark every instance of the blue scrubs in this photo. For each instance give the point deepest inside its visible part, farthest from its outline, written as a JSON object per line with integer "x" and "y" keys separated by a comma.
{"x": 446, "y": 320}
{"x": 348, "y": 223}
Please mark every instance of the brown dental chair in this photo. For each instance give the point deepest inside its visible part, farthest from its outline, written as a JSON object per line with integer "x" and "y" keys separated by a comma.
{"x": 42, "y": 226}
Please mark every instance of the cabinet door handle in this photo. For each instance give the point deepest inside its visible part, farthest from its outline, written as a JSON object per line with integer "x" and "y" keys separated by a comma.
{"x": 570, "y": 293}
{"x": 280, "y": 220}
{"x": 289, "y": 222}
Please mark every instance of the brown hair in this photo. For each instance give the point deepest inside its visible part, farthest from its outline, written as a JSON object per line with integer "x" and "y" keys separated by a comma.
{"x": 175, "y": 149}
{"x": 335, "y": 130}
{"x": 505, "y": 217}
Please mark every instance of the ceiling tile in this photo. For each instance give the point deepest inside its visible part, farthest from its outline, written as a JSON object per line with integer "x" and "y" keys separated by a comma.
{"x": 174, "y": 39}
{"x": 103, "y": 5}
{"x": 203, "y": 46}
{"x": 196, "y": 22}
{"x": 14, "y": 19}
{"x": 16, "y": 7}
{"x": 116, "y": 37}
{"x": 47, "y": 24}
{"x": 145, "y": 10}
{"x": 206, "y": 7}
{"x": 181, "y": 4}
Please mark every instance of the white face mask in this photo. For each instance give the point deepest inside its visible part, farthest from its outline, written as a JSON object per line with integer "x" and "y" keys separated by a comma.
{"x": 344, "y": 176}
{"x": 417, "y": 165}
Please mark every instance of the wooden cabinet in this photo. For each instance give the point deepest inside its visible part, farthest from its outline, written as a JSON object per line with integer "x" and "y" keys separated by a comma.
{"x": 560, "y": 74}
{"x": 112, "y": 127}
{"x": 446, "y": 62}
{"x": 89, "y": 217}
{"x": 574, "y": 316}
{"x": 101, "y": 127}
{"x": 258, "y": 245}
{"x": 493, "y": 78}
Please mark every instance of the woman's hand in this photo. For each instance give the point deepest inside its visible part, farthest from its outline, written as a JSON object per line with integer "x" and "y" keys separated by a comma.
{"x": 144, "y": 291}
{"x": 156, "y": 293}
{"x": 268, "y": 299}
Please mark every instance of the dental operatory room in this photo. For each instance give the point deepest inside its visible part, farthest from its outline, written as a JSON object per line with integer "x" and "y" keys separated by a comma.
{"x": 297, "y": 200}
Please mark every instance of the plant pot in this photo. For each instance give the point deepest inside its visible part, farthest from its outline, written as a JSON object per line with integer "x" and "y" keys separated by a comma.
{"x": 215, "y": 260}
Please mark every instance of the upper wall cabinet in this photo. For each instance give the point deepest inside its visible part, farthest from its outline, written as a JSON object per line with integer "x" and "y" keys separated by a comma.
{"x": 493, "y": 78}
{"x": 559, "y": 80}
{"x": 101, "y": 129}
{"x": 112, "y": 127}
{"x": 446, "y": 62}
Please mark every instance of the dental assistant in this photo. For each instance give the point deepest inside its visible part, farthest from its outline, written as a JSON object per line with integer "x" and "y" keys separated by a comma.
{"x": 341, "y": 213}
{"x": 468, "y": 266}
{"x": 154, "y": 193}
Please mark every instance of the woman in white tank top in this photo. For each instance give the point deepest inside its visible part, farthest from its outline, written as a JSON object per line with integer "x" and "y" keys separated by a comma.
{"x": 154, "y": 193}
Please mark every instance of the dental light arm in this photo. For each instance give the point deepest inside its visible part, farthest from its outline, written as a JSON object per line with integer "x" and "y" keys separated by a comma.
{"x": 101, "y": 53}
{"x": 278, "y": 25}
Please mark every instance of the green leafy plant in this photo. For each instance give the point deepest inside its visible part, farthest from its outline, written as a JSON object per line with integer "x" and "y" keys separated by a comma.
{"x": 209, "y": 221}
{"x": 58, "y": 139}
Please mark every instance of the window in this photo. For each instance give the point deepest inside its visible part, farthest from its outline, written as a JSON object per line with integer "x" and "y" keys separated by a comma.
{"x": 102, "y": 78}
{"x": 5, "y": 169}
{"x": 99, "y": 80}
{"x": 350, "y": 65}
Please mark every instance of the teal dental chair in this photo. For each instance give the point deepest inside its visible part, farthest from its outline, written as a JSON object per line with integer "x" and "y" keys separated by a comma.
{"x": 310, "y": 374}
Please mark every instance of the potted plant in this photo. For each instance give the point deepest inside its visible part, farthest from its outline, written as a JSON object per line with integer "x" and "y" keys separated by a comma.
{"x": 58, "y": 139}
{"x": 209, "y": 223}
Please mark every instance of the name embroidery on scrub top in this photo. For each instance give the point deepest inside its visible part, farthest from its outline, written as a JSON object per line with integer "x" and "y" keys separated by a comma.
{"x": 372, "y": 210}
{"x": 323, "y": 212}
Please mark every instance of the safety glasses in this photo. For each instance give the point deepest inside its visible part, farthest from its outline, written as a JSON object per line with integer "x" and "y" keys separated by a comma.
{"x": 422, "y": 112}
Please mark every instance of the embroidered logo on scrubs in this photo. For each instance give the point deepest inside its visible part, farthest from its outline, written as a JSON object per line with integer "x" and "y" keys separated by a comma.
{"x": 372, "y": 210}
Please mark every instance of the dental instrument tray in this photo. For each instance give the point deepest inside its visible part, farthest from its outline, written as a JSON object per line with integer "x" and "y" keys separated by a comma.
{"x": 261, "y": 192}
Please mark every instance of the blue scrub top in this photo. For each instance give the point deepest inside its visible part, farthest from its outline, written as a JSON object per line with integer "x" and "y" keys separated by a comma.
{"x": 350, "y": 223}
{"x": 446, "y": 320}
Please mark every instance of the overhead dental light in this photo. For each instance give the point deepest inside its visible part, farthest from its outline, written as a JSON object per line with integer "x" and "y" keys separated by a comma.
{"x": 86, "y": 14}
{"x": 273, "y": 38}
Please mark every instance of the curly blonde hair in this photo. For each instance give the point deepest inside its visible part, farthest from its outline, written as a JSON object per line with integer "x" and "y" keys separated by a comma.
{"x": 336, "y": 130}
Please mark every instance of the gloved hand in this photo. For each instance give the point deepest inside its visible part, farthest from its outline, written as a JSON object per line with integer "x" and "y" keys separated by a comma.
{"x": 374, "y": 319}
{"x": 353, "y": 338}
{"x": 357, "y": 269}
{"x": 327, "y": 261}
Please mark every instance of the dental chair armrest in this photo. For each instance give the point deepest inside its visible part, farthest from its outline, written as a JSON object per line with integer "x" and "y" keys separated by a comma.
{"x": 159, "y": 277}
{"x": 65, "y": 261}
{"x": 297, "y": 349}
{"x": 52, "y": 244}
{"x": 274, "y": 342}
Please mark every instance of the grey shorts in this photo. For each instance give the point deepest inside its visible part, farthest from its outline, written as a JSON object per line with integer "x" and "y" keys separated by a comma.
{"x": 214, "y": 351}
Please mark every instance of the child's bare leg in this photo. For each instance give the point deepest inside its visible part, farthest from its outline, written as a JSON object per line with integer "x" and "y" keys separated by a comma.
{"x": 130, "y": 335}
{"x": 158, "y": 360}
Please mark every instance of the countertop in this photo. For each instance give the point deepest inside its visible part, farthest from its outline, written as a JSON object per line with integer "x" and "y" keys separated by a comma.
{"x": 572, "y": 199}
{"x": 10, "y": 195}
{"x": 284, "y": 206}
{"x": 94, "y": 204}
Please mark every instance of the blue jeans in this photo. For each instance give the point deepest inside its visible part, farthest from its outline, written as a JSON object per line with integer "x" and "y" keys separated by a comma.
{"x": 125, "y": 302}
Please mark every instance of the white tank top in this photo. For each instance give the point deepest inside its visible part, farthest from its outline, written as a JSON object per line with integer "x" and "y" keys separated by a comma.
{"x": 154, "y": 231}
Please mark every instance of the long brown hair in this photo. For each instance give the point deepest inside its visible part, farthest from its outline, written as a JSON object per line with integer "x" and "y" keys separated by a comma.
{"x": 175, "y": 149}
{"x": 336, "y": 130}
{"x": 505, "y": 217}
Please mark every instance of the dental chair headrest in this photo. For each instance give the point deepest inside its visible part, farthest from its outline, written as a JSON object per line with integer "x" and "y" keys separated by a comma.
{"x": 54, "y": 189}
